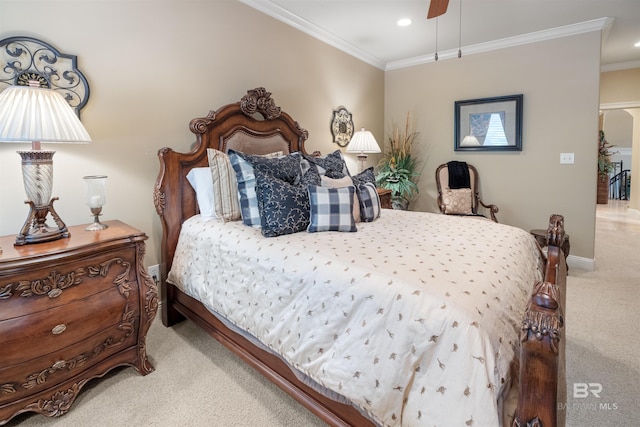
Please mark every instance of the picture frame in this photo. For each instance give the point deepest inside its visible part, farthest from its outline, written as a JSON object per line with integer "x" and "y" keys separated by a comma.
{"x": 489, "y": 124}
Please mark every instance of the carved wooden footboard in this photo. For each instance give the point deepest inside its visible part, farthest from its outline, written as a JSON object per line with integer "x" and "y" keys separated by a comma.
{"x": 542, "y": 378}
{"x": 542, "y": 355}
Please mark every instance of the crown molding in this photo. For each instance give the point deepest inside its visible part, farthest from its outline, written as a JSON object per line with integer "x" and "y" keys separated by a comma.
{"x": 269, "y": 8}
{"x": 599, "y": 24}
{"x": 313, "y": 30}
{"x": 620, "y": 105}
{"x": 620, "y": 66}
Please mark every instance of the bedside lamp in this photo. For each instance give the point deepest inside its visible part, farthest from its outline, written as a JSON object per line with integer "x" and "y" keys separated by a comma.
{"x": 362, "y": 143}
{"x": 33, "y": 114}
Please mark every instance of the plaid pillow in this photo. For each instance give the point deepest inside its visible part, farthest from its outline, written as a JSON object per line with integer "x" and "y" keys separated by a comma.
{"x": 369, "y": 202}
{"x": 246, "y": 189}
{"x": 331, "y": 209}
{"x": 286, "y": 168}
{"x": 346, "y": 181}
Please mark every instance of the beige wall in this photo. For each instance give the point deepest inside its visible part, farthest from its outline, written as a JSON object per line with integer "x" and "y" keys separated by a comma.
{"x": 152, "y": 66}
{"x": 559, "y": 80}
{"x": 620, "y": 86}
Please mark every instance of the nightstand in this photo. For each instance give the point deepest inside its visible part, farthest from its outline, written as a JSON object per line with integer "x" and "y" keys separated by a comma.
{"x": 385, "y": 197}
{"x": 70, "y": 311}
{"x": 541, "y": 237}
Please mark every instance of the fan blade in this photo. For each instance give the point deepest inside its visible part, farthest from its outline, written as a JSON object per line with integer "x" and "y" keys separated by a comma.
{"x": 437, "y": 8}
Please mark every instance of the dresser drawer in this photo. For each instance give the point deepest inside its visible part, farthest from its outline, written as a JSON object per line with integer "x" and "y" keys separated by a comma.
{"x": 32, "y": 336}
{"x": 71, "y": 310}
{"x": 41, "y": 287}
{"x": 25, "y": 379}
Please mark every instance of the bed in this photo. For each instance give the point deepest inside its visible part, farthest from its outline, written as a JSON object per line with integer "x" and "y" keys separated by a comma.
{"x": 407, "y": 321}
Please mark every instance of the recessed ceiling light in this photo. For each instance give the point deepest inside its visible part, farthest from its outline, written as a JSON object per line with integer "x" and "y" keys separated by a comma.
{"x": 636, "y": 45}
{"x": 404, "y": 22}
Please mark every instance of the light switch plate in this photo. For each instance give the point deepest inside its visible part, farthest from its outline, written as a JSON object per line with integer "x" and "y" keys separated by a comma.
{"x": 566, "y": 158}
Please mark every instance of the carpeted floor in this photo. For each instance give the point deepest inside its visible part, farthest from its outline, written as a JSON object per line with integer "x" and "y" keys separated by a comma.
{"x": 198, "y": 382}
{"x": 603, "y": 339}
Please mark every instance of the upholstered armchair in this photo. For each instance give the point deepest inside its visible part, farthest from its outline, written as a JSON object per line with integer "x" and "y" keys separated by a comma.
{"x": 457, "y": 184}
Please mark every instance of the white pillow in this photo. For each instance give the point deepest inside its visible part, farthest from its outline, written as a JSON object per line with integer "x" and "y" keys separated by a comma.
{"x": 200, "y": 180}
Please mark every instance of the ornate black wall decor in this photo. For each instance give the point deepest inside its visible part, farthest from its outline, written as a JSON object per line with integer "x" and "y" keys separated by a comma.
{"x": 341, "y": 126}
{"x": 26, "y": 58}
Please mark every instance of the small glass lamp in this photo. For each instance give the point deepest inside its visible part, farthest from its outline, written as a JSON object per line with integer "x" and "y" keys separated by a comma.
{"x": 96, "y": 199}
{"x": 362, "y": 143}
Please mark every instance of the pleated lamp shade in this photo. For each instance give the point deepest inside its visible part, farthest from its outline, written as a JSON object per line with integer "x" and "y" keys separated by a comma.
{"x": 363, "y": 142}
{"x": 29, "y": 114}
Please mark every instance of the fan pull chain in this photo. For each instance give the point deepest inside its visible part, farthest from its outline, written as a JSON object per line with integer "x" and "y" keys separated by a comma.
{"x": 436, "y": 56}
{"x": 460, "y": 33}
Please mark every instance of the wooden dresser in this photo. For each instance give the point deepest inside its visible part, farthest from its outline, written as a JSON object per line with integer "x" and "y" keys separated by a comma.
{"x": 71, "y": 310}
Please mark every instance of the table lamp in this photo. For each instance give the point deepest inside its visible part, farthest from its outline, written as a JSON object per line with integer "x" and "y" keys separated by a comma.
{"x": 37, "y": 115}
{"x": 362, "y": 143}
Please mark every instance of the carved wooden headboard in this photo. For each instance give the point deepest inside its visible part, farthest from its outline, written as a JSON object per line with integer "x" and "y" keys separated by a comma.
{"x": 253, "y": 125}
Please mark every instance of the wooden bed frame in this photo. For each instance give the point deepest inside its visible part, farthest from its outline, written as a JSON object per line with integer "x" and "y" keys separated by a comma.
{"x": 542, "y": 380}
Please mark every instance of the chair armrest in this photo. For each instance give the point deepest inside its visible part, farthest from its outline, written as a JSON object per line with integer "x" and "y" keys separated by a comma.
{"x": 493, "y": 209}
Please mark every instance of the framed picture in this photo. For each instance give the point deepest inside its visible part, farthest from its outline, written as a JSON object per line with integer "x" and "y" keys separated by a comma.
{"x": 489, "y": 124}
{"x": 341, "y": 126}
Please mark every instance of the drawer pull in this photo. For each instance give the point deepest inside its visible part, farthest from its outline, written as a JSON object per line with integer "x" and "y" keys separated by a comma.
{"x": 59, "y": 329}
{"x": 59, "y": 365}
{"x": 53, "y": 293}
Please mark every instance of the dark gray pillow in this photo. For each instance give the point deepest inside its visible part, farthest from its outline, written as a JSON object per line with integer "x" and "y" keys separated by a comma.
{"x": 331, "y": 165}
{"x": 284, "y": 207}
{"x": 365, "y": 176}
{"x": 286, "y": 168}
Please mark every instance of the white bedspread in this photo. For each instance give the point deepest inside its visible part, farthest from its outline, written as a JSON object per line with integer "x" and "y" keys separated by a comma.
{"x": 414, "y": 318}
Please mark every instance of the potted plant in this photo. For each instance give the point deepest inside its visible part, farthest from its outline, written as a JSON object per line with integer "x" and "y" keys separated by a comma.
{"x": 605, "y": 165}
{"x": 397, "y": 168}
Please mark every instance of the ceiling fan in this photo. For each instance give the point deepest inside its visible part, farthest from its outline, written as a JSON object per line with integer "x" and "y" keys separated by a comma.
{"x": 437, "y": 8}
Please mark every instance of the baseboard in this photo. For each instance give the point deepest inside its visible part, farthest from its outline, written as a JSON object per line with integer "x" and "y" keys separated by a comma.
{"x": 582, "y": 263}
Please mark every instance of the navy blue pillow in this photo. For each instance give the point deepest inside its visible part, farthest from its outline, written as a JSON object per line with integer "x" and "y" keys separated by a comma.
{"x": 286, "y": 168}
{"x": 331, "y": 165}
{"x": 365, "y": 176}
{"x": 284, "y": 207}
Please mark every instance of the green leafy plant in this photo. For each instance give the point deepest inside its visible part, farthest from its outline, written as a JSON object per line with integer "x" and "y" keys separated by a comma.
{"x": 605, "y": 165}
{"x": 397, "y": 168}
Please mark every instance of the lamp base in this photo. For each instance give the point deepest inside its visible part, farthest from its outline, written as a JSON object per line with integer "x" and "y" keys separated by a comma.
{"x": 96, "y": 225}
{"x": 362, "y": 159}
{"x": 35, "y": 228}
